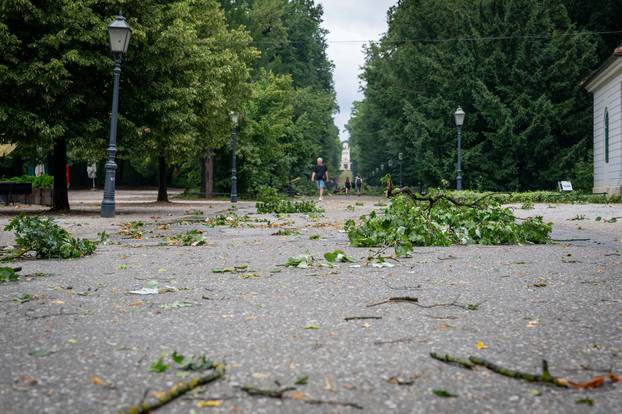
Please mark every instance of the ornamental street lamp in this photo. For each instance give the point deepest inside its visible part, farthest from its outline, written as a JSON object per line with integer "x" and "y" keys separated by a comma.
{"x": 400, "y": 157}
{"x": 459, "y": 117}
{"x": 235, "y": 117}
{"x": 119, "y": 33}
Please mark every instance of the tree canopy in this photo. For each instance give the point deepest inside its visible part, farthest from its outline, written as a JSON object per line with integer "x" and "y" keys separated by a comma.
{"x": 190, "y": 62}
{"x": 514, "y": 66}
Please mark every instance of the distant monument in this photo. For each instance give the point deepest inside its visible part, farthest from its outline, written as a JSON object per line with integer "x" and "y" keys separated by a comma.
{"x": 346, "y": 165}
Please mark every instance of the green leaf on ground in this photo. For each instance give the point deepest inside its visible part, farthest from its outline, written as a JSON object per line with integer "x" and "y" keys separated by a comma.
{"x": 302, "y": 261}
{"x": 7, "y": 274}
{"x": 177, "y": 358}
{"x": 302, "y": 380}
{"x": 443, "y": 393}
{"x": 159, "y": 366}
{"x": 586, "y": 401}
{"x": 337, "y": 256}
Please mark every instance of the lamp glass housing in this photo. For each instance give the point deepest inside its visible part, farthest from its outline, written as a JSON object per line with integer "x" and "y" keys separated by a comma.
{"x": 235, "y": 117}
{"x": 119, "y": 33}
{"x": 459, "y": 116}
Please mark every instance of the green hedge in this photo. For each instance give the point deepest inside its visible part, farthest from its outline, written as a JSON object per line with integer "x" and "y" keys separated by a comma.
{"x": 43, "y": 181}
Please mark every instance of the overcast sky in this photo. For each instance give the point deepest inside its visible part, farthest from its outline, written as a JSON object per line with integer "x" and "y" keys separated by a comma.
{"x": 351, "y": 20}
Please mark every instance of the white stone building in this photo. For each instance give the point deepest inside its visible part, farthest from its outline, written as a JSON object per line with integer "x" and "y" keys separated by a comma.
{"x": 606, "y": 86}
{"x": 346, "y": 164}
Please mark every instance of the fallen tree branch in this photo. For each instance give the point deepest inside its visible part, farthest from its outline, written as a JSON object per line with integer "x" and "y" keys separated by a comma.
{"x": 394, "y": 341}
{"x": 50, "y": 315}
{"x": 396, "y": 299}
{"x": 403, "y": 287}
{"x": 415, "y": 301}
{"x": 568, "y": 240}
{"x": 177, "y": 391}
{"x": 280, "y": 394}
{"x": 452, "y": 360}
{"x": 544, "y": 377}
{"x": 333, "y": 402}
{"x": 265, "y": 392}
{"x": 356, "y": 318}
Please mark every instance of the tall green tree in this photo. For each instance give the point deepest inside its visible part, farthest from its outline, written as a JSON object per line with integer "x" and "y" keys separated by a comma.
{"x": 187, "y": 73}
{"x": 293, "y": 47}
{"x": 51, "y": 52}
{"x": 514, "y": 66}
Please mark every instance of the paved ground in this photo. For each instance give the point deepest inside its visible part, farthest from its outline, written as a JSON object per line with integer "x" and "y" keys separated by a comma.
{"x": 89, "y": 344}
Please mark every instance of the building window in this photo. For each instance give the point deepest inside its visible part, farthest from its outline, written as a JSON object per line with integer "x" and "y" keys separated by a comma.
{"x": 606, "y": 135}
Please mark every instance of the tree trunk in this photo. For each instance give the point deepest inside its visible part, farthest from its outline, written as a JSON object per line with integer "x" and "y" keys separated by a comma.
{"x": 60, "y": 201}
{"x": 207, "y": 175}
{"x": 162, "y": 182}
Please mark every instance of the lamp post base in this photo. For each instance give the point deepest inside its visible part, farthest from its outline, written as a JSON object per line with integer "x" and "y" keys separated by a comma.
{"x": 107, "y": 209}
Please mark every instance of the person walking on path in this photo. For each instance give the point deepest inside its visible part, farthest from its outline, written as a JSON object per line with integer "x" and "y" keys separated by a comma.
{"x": 320, "y": 176}
{"x": 358, "y": 184}
{"x": 348, "y": 185}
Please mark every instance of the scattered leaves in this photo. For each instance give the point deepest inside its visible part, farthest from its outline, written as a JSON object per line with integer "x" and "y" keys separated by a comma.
{"x": 302, "y": 261}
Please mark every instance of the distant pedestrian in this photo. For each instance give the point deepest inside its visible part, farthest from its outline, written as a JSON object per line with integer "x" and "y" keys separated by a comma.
{"x": 358, "y": 184}
{"x": 348, "y": 185}
{"x": 320, "y": 176}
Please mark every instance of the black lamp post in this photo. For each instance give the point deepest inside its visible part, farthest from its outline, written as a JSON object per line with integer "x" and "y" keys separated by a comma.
{"x": 119, "y": 33}
{"x": 459, "y": 117}
{"x": 400, "y": 157}
{"x": 234, "y": 147}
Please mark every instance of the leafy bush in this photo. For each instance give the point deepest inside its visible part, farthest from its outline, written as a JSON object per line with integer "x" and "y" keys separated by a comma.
{"x": 47, "y": 238}
{"x": 443, "y": 220}
{"x": 43, "y": 181}
{"x": 539, "y": 197}
{"x": 269, "y": 201}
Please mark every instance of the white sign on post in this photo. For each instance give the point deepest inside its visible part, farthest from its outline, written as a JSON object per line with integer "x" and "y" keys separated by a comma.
{"x": 565, "y": 186}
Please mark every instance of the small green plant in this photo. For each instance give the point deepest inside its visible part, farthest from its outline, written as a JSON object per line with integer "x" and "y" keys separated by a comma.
{"x": 314, "y": 237}
{"x": 350, "y": 208}
{"x": 47, "y": 239}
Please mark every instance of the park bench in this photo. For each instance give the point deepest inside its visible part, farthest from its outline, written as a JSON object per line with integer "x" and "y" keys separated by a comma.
{"x": 8, "y": 189}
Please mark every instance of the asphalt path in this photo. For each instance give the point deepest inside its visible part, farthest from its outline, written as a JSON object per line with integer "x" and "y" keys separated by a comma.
{"x": 83, "y": 344}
